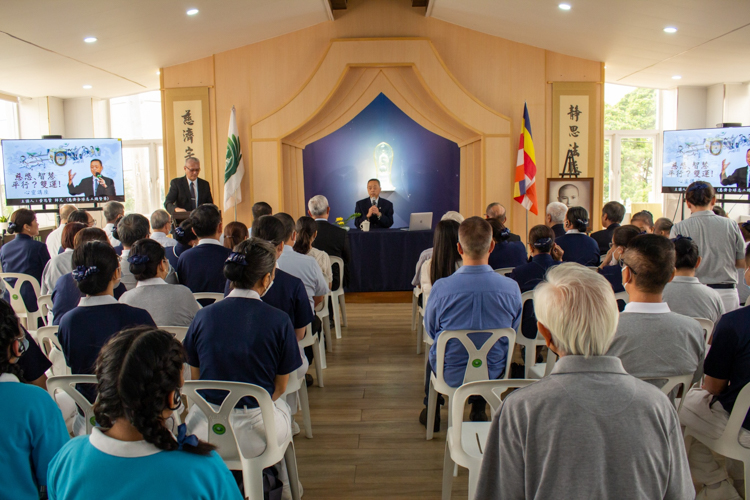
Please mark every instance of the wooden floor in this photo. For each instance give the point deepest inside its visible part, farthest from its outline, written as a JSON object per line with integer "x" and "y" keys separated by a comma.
{"x": 367, "y": 440}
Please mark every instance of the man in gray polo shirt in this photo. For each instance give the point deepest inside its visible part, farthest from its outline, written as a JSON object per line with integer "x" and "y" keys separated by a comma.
{"x": 651, "y": 341}
{"x": 588, "y": 430}
{"x": 719, "y": 242}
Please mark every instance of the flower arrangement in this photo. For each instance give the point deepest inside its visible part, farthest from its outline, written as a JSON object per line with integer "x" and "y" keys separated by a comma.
{"x": 340, "y": 221}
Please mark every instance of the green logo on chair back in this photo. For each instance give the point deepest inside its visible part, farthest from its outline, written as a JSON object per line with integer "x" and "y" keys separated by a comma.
{"x": 93, "y": 421}
{"x": 15, "y": 296}
{"x": 476, "y": 363}
{"x": 219, "y": 429}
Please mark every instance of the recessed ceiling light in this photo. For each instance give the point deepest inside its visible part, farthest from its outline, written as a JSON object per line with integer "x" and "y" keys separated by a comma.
{"x": 87, "y": 87}
{"x": 564, "y": 6}
{"x": 676, "y": 77}
{"x": 89, "y": 39}
{"x": 670, "y": 29}
{"x": 605, "y": 66}
{"x": 158, "y": 72}
{"x": 192, "y": 12}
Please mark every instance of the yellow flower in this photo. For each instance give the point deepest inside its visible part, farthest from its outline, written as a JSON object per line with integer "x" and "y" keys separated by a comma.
{"x": 339, "y": 218}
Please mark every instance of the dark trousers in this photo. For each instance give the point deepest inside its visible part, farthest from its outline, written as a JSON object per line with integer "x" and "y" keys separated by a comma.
{"x": 317, "y": 327}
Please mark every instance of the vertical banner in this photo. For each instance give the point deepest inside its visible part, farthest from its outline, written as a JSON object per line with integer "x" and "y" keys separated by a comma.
{"x": 575, "y": 114}
{"x": 188, "y": 131}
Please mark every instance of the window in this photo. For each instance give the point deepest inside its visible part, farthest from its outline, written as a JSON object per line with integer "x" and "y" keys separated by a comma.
{"x": 137, "y": 121}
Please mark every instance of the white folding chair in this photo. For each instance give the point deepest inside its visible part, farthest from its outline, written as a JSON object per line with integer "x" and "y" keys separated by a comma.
{"x": 671, "y": 383}
{"x": 420, "y": 327}
{"x": 46, "y": 337}
{"x": 504, "y": 271}
{"x": 16, "y": 301}
{"x": 337, "y": 298}
{"x": 728, "y": 444}
{"x": 465, "y": 441}
{"x": 216, "y": 297}
{"x": 67, "y": 384}
{"x": 45, "y": 307}
{"x": 476, "y": 365}
{"x": 179, "y": 332}
{"x": 297, "y": 384}
{"x": 708, "y": 331}
{"x": 414, "y": 306}
{"x": 311, "y": 339}
{"x": 530, "y": 345}
{"x": 221, "y": 434}
{"x": 324, "y": 315}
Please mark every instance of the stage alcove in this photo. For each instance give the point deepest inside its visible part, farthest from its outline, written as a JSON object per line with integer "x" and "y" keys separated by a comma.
{"x": 409, "y": 72}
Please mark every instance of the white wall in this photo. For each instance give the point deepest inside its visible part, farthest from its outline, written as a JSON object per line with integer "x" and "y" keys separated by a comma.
{"x": 33, "y": 116}
{"x": 79, "y": 118}
{"x": 737, "y": 103}
{"x": 691, "y": 107}
{"x": 714, "y": 105}
{"x": 56, "y": 116}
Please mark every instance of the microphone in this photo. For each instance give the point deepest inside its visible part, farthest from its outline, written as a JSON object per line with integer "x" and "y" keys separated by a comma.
{"x": 373, "y": 202}
{"x": 99, "y": 176}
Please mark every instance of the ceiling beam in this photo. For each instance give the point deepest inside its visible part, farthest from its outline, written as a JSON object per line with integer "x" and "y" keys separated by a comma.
{"x": 338, "y": 4}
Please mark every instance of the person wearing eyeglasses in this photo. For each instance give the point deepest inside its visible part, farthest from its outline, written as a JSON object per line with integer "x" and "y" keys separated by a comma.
{"x": 132, "y": 452}
{"x": 189, "y": 192}
{"x": 34, "y": 429}
{"x": 610, "y": 268}
{"x": 651, "y": 340}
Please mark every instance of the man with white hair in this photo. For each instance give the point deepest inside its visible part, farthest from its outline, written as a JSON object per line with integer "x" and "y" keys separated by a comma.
{"x": 113, "y": 212}
{"x": 161, "y": 223}
{"x": 331, "y": 239}
{"x": 556, "y": 217}
{"x": 588, "y": 430}
{"x": 54, "y": 239}
{"x": 427, "y": 254}
{"x": 497, "y": 211}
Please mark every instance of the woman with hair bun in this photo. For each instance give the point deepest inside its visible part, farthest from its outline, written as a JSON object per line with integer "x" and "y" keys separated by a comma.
{"x": 307, "y": 231}
{"x": 577, "y": 246}
{"x": 168, "y": 305}
{"x": 235, "y": 233}
{"x": 243, "y": 339}
{"x": 85, "y": 329}
{"x": 23, "y": 254}
{"x": 185, "y": 238}
{"x": 34, "y": 430}
{"x": 61, "y": 263}
{"x": 131, "y": 453}
{"x": 506, "y": 253}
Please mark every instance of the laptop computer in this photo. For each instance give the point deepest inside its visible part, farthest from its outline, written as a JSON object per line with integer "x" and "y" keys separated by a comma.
{"x": 420, "y": 221}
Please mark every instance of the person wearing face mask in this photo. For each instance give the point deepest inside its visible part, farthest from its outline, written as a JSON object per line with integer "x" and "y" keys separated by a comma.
{"x": 85, "y": 329}
{"x": 609, "y": 267}
{"x": 35, "y": 429}
{"x": 243, "y": 339}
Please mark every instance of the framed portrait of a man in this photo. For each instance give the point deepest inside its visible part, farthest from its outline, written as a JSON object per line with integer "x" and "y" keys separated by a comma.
{"x": 573, "y": 193}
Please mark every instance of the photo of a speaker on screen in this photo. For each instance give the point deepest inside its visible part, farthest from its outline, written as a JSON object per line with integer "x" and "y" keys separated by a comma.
{"x": 63, "y": 171}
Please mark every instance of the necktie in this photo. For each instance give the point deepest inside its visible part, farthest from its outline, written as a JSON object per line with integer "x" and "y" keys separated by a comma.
{"x": 95, "y": 180}
{"x": 192, "y": 195}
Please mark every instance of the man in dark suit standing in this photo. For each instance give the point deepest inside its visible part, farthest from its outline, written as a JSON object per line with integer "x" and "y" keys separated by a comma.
{"x": 96, "y": 185}
{"x": 739, "y": 177}
{"x": 189, "y": 192}
{"x": 497, "y": 211}
{"x": 377, "y": 210}
{"x": 331, "y": 239}
{"x": 612, "y": 214}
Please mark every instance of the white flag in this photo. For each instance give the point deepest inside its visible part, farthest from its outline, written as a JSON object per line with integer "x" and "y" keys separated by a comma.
{"x": 235, "y": 168}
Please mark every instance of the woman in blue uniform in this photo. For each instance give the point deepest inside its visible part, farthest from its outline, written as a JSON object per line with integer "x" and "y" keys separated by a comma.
{"x": 576, "y": 244}
{"x": 507, "y": 253}
{"x": 85, "y": 329}
{"x": 185, "y": 238}
{"x": 24, "y": 255}
{"x": 243, "y": 339}
{"x": 610, "y": 267}
{"x": 201, "y": 269}
{"x": 33, "y": 427}
{"x": 131, "y": 454}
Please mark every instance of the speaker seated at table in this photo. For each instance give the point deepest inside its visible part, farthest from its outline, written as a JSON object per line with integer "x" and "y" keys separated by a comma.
{"x": 375, "y": 209}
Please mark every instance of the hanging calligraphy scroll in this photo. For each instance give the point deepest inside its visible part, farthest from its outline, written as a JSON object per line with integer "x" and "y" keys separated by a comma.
{"x": 188, "y": 132}
{"x": 575, "y": 113}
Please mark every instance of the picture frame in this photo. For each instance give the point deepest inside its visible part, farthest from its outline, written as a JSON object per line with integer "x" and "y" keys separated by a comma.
{"x": 581, "y": 196}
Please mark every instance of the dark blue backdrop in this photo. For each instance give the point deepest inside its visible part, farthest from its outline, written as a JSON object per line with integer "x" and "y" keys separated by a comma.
{"x": 425, "y": 166}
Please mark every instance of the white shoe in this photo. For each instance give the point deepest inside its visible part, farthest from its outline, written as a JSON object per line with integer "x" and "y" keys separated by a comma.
{"x": 725, "y": 491}
{"x": 295, "y": 428}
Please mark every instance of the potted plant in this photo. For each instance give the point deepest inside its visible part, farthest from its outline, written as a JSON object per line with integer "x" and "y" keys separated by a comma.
{"x": 3, "y": 224}
{"x": 341, "y": 222}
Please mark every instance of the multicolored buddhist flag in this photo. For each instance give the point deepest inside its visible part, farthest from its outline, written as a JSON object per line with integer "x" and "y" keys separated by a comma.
{"x": 524, "y": 189}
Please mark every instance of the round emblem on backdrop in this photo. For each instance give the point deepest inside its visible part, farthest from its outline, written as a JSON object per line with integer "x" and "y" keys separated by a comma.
{"x": 476, "y": 363}
{"x": 219, "y": 429}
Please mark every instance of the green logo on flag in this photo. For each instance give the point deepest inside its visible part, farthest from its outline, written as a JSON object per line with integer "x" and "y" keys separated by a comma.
{"x": 234, "y": 155}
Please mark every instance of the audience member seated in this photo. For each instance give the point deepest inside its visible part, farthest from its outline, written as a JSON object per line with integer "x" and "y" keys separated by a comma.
{"x": 612, "y": 214}
{"x": 663, "y": 227}
{"x": 34, "y": 429}
{"x": 65, "y": 295}
{"x": 497, "y": 211}
{"x": 719, "y": 211}
{"x": 201, "y": 269}
{"x": 610, "y": 267}
{"x": 473, "y": 298}
{"x": 331, "y": 239}
{"x": 719, "y": 241}
{"x": 86, "y": 328}
{"x": 235, "y": 233}
{"x": 577, "y": 246}
{"x": 83, "y": 217}
{"x": 60, "y": 263}
{"x": 307, "y": 231}
{"x": 507, "y": 253}
{"x": 651, "y": 341}
{"x": 260, "y": 209}
{"x": 130, "y": 229}
{"x": 742, "y": 289}
{"x": 707, "y": 409}
{"x": 131, "y": 451}
{"x": 168, "y": 305}
{"x": 644, "y": 221}
{"x": 113, "y": 211}
{"x": 242, "y": 339}
{"x": 161, "y": 225}
{"x": 545, "y": 254}
{"x": 23, "y": 254}
{"x": 54, "y": 239}
{"x": 555, "y": 217}
{"x": 185, "y": 238}
{"x": 427, "y": 254}
{"x": 558, "y": 437}
{"x": 685, "y": 294}
{"x": 445, "y": 258}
